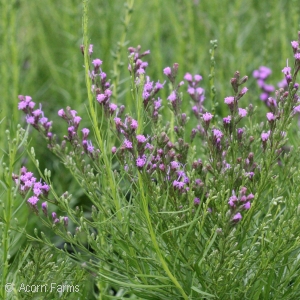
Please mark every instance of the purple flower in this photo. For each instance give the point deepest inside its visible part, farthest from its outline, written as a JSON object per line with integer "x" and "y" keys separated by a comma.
{"x": 90, "y": 49}
{"x": 101, "y": 98}
{"x": 127, "y": 144}
{"x": 191, "y": 90}
{"x": 227, "y": 120}
{"x": 157, "y": 104}
{"x": 297, "y": 56}
{"x": 207, "y": 117}
{"x": 97, "y": 62}
{"x": 250, "y": 197}
{"x": 217, "y": 133}
{"x": 265, "y": 136}
{"x": 196, "y": 201}
{"x": 108, "y": 93}
{"x": 113, "y": 150}
{"x": 188, "y": 77}
{"x": 85, "y": 132}
{"x": 243, "y": 91}
{"x": 54, "y": 216}
{"x": 237, "y": 217}
{"x": 174, "y": 164}
{"x": 33, "y": 200}
{"x": 77, "y": 120}
{"x": 134, "y": 124}
{"x": 30, "y": 120}
{"x": 270, "y": 117}
{"x": 232, "y": 201}
{"x": 296, "y": 109}
{"x": 61, "y": 113}
{"x": 198, "y": 77}
{"x": 247, "y": 205}
{"x": 167, "y": 71}
{"x": 90, "y": 147}
{"x": 286, "y": 70}
{"x": 172, "y": 97}
{"x": 113, "y": 107}
{"x": 141, "y": 161}
{"x": 295, "y": 45}
{"x": 178, "y": 184}
{"x": 162, "y": 167}
{"x": 45, "y": 208}
{"x": 229, "y": 100}
{"x": 66, "y": 221}
{"x": 242, "y": 112}
{"x": 22, "y": 105}
{"x": 159, "y": 86}
{"x": 264, "y": 72}
{"x": 140, "y": 138}
{"x": 37, "y": 112}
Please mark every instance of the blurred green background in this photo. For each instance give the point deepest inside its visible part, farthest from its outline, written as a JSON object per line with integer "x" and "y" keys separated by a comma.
{"x": 40, "y": 52}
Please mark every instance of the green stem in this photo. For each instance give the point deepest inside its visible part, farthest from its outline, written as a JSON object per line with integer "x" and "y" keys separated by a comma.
{"x": 7, "y": 214}
{"x": 153, "y": 238}
{"x": 92, "y": 110}
{"x": 121, "y": 44}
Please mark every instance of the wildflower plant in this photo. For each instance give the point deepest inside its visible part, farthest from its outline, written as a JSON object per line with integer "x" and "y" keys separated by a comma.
{"x": 166, "y": 222}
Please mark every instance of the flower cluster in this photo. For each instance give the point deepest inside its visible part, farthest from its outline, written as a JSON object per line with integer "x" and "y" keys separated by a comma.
{"x": 139, "y": 66}
{"x": 35, "y": 117}
{"x": 196, "y": 93}
{"x": 70, "y": 116}
{"x": 239, "y": 203}
{"x": 101, "y": 87}
{"x": 261, "y": 76}
{"x": 174, "y": 97}
{"x": 26, "y": 182}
